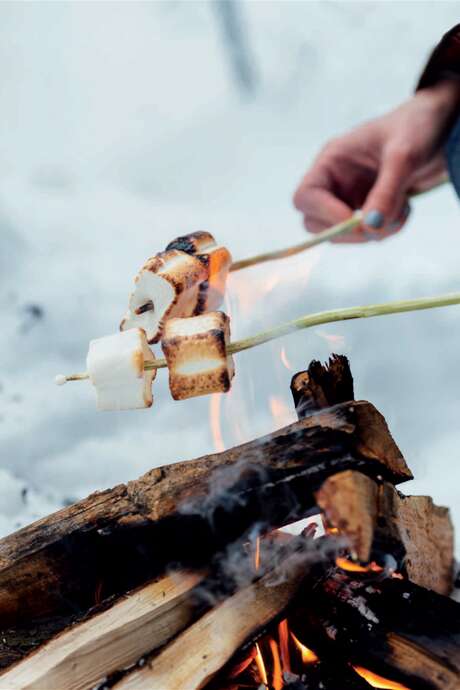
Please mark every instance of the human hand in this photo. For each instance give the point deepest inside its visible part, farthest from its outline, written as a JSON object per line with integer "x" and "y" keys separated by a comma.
{"x": 377, "y": 166}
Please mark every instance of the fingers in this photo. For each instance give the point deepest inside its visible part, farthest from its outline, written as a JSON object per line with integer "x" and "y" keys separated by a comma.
{"x": 320, "y": 207}
{"x": 386, "y": 201}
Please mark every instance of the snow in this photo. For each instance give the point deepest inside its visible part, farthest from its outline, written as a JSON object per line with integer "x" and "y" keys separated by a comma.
{"x": 123, "y": 128}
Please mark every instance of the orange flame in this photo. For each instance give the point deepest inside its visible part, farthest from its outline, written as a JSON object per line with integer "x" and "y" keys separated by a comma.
{"x": 261, "y": 666}
{"x": 334, "y": 340}
{"x": 277, "y": 682}
{"x": 352, "y": 567}
{"x": 215, "y": 421}
{"x": 283, "y": 633}
{"x": 377, "y": 681}
{"x": 308, "y": 656}
{"x": 257, "y": 555}
{"x": 281, "y": 413}
{"x": 243, "y": 665}
{"x": 284, "y": 359}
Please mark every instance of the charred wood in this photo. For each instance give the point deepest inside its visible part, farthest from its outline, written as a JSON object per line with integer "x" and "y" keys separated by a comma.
{"x": 322, "y": 386}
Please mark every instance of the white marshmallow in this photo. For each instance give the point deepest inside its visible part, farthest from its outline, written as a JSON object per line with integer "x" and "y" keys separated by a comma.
{"x": 115, "y": 365}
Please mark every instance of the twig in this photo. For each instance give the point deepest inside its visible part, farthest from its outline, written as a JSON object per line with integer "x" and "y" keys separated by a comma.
{"x": 324, "y": 236}
{"x": 322, "y": 317}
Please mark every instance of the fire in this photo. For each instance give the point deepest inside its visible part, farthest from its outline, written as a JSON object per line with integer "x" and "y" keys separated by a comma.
{"x": 277, "y": 682}
{"x": 283, "y": 634}
{"x": 215, "y": 420}
{"x": 334, "y": 340}
{"x": 281, "y": 413}
{"x": 377, "y": 681}
{"x": 308, "y": 656}
{"x": 243, "y": 665}
{"x": 352, "y": 567}
{"x": 261, "y": 666}
{"x": 257, "y": 555}
{"x": 284, "y": 359}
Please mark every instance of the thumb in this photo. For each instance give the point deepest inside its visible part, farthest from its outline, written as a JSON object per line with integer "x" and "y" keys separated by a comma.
{"x": 387, "y": 197}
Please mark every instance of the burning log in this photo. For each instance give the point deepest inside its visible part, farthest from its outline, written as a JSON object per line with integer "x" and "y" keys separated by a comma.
{"x": 125, "y": 536}
{"x": 116, "y": 638}
{"x": 322, "y": 385}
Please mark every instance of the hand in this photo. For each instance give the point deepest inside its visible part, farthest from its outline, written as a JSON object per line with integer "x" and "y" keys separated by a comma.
{"x": 376, "y": 166}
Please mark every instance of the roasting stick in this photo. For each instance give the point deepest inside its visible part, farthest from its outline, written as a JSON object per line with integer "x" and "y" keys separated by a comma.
{"x": 324, "y": 236}
{"x": 310, "y": 320}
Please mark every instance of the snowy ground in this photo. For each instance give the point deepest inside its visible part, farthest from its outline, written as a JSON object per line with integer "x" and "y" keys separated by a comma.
{"x": 122, "y": 127}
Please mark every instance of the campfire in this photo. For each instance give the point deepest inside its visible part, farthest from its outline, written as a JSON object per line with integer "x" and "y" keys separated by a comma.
{"x": 288, "y": 563}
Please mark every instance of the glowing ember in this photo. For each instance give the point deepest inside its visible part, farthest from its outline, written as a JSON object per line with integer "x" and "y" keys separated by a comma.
{"x": 352, "y": 567}
{"x": 377, "y": 681}
{"x": 308, "y": 656}
{"x": 215, "y": 420}
{"x": 277, "y": 682}
{"x": 285, "y": 360}
{"x": 261, "y": 666}
{"x": 283, "y": 633}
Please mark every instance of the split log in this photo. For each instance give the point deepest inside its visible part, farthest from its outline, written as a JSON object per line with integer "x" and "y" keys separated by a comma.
{"x": 392, "y": 626}
{"x": 116, "y": 638}
{"x": 322, "y": 386}
{"x": 377, "y": 517}
{"x": 120, "y": 538}
{"x": 349, "y": 501}
{"x": 193, "y": 658}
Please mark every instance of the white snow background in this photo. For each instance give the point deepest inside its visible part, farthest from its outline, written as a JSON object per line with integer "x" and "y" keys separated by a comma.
{"x": 122, "y": 126}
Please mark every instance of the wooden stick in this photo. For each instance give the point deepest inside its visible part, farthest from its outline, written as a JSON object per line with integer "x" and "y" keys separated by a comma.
{"x": 113, "y": 639}
{"x": 310, "y": 320}
{"x": 324, "y": 236}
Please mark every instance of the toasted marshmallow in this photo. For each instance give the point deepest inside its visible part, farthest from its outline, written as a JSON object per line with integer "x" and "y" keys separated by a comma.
{"x": 217, "y": 260}
{"x": 116, "y": 369}
{"x": 196, "y": 353}
{"x": 167, "y": 285}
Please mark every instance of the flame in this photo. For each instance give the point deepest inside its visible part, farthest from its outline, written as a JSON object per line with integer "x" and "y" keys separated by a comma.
{"x": 334, "y": 340}
{"x": 283, "y": 634}
{"x": 308, "y": 656}
{"x": 257, "y": 555}
{"x": 215, "y": 421}
{"x": 284, "y": 359}
{"x": 277, "y": 682}
{"x": 352, "y": 567}
{"x": 261, "y": 666}
{"x": 281, "y": 413}
{"x": 243, "y": 665}
{"x": 377, "y": 681}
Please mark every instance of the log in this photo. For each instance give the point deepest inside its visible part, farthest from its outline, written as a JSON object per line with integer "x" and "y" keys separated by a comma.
{"x": 193, "y": 658}
{"x": 117, "y": 539}
{"x": 116, "y": 638}
{"x": 349, "y": 501}
{"x": 376, "y": 517}
{"x": 322, "y": 386}
{"x": 392, "y": 626}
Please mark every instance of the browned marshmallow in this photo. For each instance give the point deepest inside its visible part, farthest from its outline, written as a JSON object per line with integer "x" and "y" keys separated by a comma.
{"x": 196, "y": 354}
{"x": 167, "y": 285}
{"x": 217, "y": 260}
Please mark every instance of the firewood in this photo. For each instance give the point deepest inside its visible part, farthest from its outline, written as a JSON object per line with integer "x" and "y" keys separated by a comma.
{"x": 349, "y": 502}
{"x": 391, "y": 626}
{"x": 116, "y": 638}
{"x": 322, "y": 385}
{"x": 427, "y": 534}
{"x": 193, "y": 658}
{"x": 187, "y": 511}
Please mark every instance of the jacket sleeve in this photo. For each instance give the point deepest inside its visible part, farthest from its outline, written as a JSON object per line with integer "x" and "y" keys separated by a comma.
{"x": 444, "y": 61}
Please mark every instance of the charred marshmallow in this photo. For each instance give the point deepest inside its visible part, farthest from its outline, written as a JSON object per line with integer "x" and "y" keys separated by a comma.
{"x": 196, "y": 353}
{"x": 116, "y": 368}
{"x": 167, "y": 285}
{"x": 217, "y": 260}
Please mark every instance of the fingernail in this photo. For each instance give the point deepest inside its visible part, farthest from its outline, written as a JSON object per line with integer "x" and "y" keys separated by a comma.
{"x": 374, "y": 219}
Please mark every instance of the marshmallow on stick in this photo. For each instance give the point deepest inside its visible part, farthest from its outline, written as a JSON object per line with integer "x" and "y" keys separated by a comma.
{"x": 196, "y": 355}
{"x": 217, "y": 260}
{"x": 116, "y": 369}
{"x": 167, "y": 285}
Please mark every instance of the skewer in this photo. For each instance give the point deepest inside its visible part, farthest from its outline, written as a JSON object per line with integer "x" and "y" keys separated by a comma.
{"x": 330, "y": 233}
{"x": 310, "y": 320}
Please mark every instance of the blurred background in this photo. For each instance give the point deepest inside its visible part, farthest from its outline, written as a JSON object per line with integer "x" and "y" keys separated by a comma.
{"x": 125, "y": 124}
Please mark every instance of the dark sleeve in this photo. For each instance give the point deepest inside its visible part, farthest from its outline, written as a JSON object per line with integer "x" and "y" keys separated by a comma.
{"x": 444, "y": 61}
